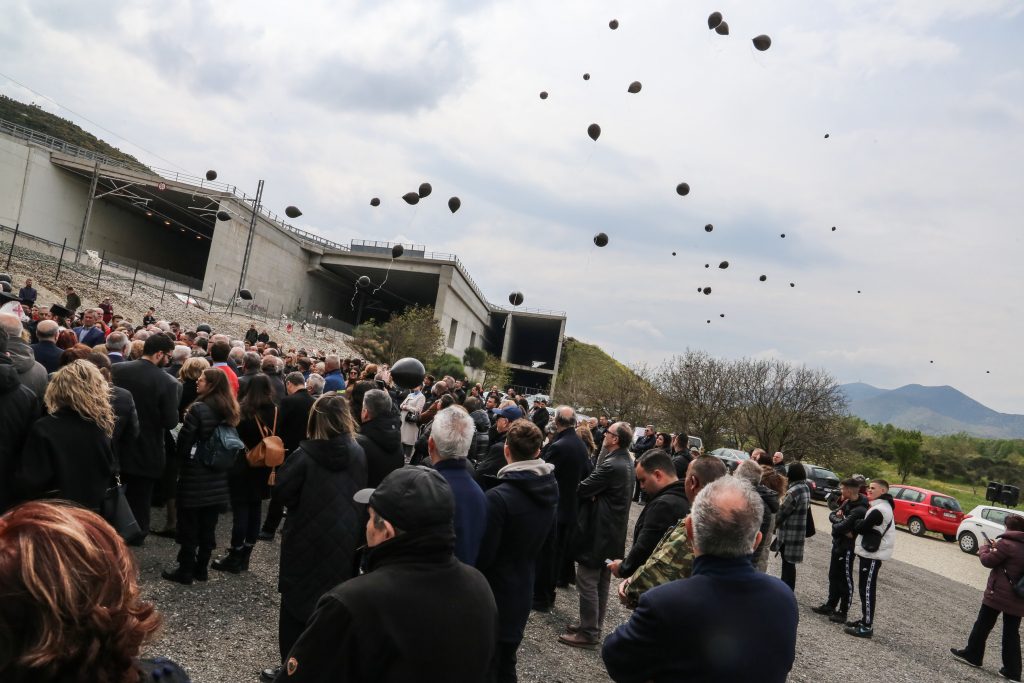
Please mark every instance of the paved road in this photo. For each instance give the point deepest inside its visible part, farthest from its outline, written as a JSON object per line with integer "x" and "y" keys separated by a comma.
{"x": 226, "y": 630}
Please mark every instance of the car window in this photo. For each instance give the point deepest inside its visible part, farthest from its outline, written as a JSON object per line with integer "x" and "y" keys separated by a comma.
{"x": 995, "y": 515}
{"x": 896, "y": 492}
{"x": 912, "y": 496}
{"x": 946, "y": 503}
{"x": 828, "y": 474}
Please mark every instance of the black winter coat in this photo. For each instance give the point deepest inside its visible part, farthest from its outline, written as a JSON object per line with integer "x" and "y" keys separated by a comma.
{"x": 661, "y": 512}
{"x": 293, "y": 418}
{"x": 68, "y": 457}
{"x": 324, "y": 526}
{"x": 770, "y": 498}
{"x": 249, "y": 484}
{"x": 198, "y": 485}
{"x": 852, "y": 511}
{"x": 520, "y": 512}
{"x": 381, "y": 439}
{"x": 126, "y": 428}
{"x": 488, "y": 468}
{"x": 19, "y": 408}
{"x": 156, "y": 396}
{"x": 569, "y": 455}
{"x": 605, "y": 497}
{"x": 276, "y": 386}
{"x": 481, "y": 438}
{"x": 189, "y": 392}
{"x": 418, "y": 614}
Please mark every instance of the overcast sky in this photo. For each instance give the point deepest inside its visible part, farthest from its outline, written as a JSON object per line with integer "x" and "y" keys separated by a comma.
{"x": 337, "y": 102}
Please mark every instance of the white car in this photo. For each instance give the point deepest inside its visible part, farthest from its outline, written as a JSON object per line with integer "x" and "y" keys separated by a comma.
{"x": 984, "y": 520}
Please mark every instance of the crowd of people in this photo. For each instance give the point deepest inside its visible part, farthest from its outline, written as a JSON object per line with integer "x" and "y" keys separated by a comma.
{"x": 444, "y": 508}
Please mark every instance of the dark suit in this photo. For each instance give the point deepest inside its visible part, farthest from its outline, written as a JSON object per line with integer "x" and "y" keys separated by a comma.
{"x": 115, "y": 357}
{"x": 156, "y": 396}
{"x": 48, "y": 355}
{"x": 293, "y": 417}
{"x": 90, "y": 337}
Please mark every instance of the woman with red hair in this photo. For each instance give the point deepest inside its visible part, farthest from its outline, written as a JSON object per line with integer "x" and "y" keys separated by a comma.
{"x": 71, "y": 609}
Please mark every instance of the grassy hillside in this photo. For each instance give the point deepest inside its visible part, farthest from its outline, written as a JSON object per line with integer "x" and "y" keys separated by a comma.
{"x": 32, "y": 116}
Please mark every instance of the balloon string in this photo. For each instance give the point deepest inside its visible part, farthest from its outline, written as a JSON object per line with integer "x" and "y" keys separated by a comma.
{"x": 412, "y": 218}
{"x": 386, "y": 274}
{"x": 355, "y": 293}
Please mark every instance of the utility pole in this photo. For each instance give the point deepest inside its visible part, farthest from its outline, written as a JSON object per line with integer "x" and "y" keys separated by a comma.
{"x": 88, "y": 212}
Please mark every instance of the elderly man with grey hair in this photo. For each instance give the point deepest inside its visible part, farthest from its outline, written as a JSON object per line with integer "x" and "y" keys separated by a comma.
{"x": 315, "y": 385}
{"x": 380, "y": 436}
{"x": 451, "y": 436}
{"x": 116, "y": 344}
{"x": 46, "y": 350}
{"x": 728, "y": 621}
{"x": 31, "y": 373}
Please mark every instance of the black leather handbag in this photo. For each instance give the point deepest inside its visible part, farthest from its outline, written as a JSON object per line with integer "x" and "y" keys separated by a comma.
{"x": 114, "y": 508}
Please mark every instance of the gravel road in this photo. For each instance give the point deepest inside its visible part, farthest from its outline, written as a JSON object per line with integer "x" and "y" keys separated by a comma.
{"x": 225, "y": 631}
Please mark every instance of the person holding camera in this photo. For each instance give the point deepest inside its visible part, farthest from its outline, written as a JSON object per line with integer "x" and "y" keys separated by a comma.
{"x": 1003, "y": 595}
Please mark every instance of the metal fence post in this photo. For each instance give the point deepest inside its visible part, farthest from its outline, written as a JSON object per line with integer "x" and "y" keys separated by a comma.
{"x": 188, "y": 296}
{"x": 162, "y": 290}
{"x": 213, "y": 295}
{"x": 11, "y": 252}
{"x": 60, "y": 261}
{"x": 136, "y": 275}
{"x": 103, "y": 257}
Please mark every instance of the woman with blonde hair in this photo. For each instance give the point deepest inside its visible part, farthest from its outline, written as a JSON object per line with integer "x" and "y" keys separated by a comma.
{"x": 68, "y": 453}
{"x": 583, "y": 430}
{"x": 71, "y": 607}
{"x": 324, "y": 526}
{"x": 202, "y": 491}
{"x": 135, "y": 351}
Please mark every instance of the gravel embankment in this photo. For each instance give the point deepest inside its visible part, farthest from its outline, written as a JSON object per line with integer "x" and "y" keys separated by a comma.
{"x": 225, "y": 631}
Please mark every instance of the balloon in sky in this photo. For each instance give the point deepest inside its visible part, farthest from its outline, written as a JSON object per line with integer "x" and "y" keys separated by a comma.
{"x": 783, "y": 235}
{"x": 292, "y": 212}
{"x": 833, "y": 228}
{"x": 792, "y": 284}
{"x": 707, "y": 290}
{"x": 613, "y": 24}
{"x": 245, "y": 294}
{"x": 709, "y": 322}
{"x": 211, "y": 175}
{"x": 721, "y": 315}
{"x": 408, "y": 373}
{"x": 723, "y": 265}
{"x": 516, "y": 298}
{"x": 762, "y": 42}
{"x": 673, "y": 253}
{"x": 411, "y": 198}
{"x": 826, "y": 136}
{"x": 763, "y": 278}
{"x": 223, "y": 216}
{"x": 375, "y": 201}
{"x": 543, "y": 94}
{"x": 708, "y": 227}
{"x": 594, "y": 131}
{"x": 601, "y": 239}
{"x": 454, "y": 203}
{"x": 683, "y": 189}
{"x": 397, "y": 251}
{"x": 722, "y": 29}
{"x": 634, "y": 87}
{"x": 586, "y": 77}
{"x": 714, "y": 19}
{"x": 425, "y": 190}
{"x": 707, "y": 265}
{"x": 363, "y": 281}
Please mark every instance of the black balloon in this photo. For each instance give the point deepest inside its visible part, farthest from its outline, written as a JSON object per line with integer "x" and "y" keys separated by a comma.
{"x": 454, "y": 203}
{"x": 714, "y": 19}
{"x": 707, "y": 265}
{"x": 223, "y": 216}
{"x": 858, "y": 291}
{"x": 397, "y": 251}
{"x": 594, "y": 131}
{"x": 762, "y": 42}
{"x": 763, "y": 278}
{"x": 826, "y": 136}
{"x": 375, "y": 201}
{"x": 634, "y": 87}
{"x": 516, "y": 298}
{"x": 411, "y": 198}
{"x": 245, "y": 294}
{"x": 211, "y": 175}
{"x": 792, "y": 284}
{"x": 673, "y": 253}
{"x": 709, "y": 322}
{"x": 708, "y": 227}
{"x": 833, "y": 228}
{"x": 363, "y": 281}
{"x": 721, "y": 315}
{"x": 707, "y": 290}
{"x": 613, "y": 24}
{"x": 783, "y": 235}
{"x": 723, "y": 265}
{"x": 425, "y": 190}
{"x": 408, "y": 373}
{"x": 543, "y": 94}
{"x": 292, "y": 212}
{"x": 683, "y": 189}
{"x": 601, "y": 239}
{"x": 722, "y": 29}
{"x": 586, "y": 77}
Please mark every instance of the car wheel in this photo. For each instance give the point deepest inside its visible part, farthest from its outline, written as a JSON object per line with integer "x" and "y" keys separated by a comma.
{"x": 949, "y": 537}
{"x": 968, "y": 542}
{"x": 916, "y": 526}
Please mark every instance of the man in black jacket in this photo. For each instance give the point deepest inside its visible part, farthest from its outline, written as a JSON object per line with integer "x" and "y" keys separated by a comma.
{"x": 568, "y": 454}
{"x": 604, "y": 515}
{"x": 520, "y": 512}
{"x": 642, "y": 445}
{"x": 666, "y": 505}
{"x": 495, "y": 460}
{"x": 293, "y": 416}
{"x": 852, "y": 509}
{"x": 156, "y": 396}
{"x": 19, "y": 408}
{"x": 251, "y": 363}
{"x": 539, "y": 415}
{"x": 46, "y": 351}
{"x": 417, "y": 613}
{"x": 380, "y": 436}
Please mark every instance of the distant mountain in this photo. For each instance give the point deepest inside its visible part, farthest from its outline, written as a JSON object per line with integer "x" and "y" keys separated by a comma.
{"x": 931, "y": 410}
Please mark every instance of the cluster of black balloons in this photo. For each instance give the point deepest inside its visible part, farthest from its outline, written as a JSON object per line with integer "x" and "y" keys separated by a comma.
{"x": 721, "y": 27}
{"x": 424, "y": 190}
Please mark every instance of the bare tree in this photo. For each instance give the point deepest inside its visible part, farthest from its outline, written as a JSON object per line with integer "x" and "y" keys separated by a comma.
{"x": 699, "y": 395}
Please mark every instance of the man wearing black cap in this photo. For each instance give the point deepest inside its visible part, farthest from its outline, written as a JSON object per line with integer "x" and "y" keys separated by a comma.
{"x": 417, "y": 613}
{"x": 495, "y": 460}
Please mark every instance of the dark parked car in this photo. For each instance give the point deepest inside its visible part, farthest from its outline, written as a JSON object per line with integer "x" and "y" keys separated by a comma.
{"x": 824, "y": 483}
{"x": 731, "y": 457}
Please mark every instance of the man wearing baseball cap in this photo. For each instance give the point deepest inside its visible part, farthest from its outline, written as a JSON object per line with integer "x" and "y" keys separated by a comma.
{"x": 488, "y": 468}
{"x": 416, "y": 613}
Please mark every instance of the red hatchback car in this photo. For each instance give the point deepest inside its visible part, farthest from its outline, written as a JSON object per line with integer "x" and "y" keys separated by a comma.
{"x": 921, "y": 510}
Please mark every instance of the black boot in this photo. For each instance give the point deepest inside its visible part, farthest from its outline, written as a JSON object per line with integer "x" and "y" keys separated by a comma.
{"x": 179, "y": 575}
{"x": 246, "y": 552}
{"x": 232, "y": 562}
{"x": 184, "y": 573}
{"x": 202, "y": 572}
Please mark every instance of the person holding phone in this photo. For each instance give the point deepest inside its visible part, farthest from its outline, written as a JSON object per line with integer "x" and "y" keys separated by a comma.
{"x": 1005, "y": 557}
